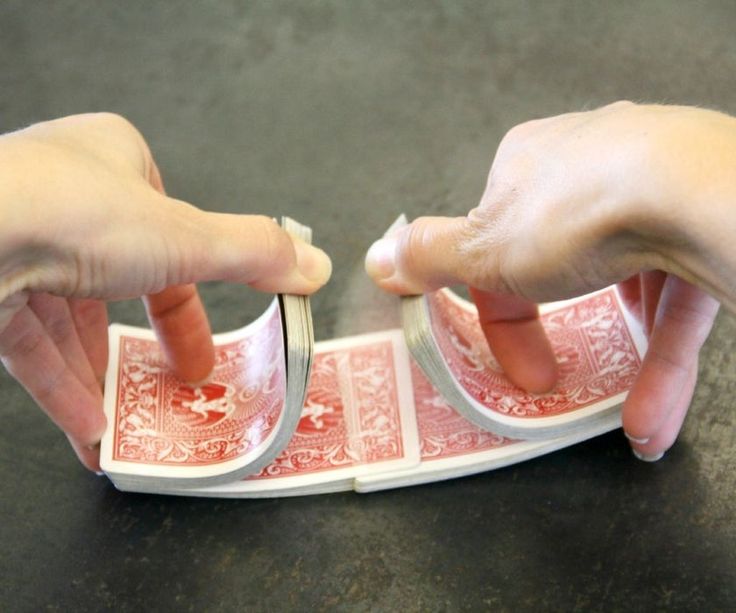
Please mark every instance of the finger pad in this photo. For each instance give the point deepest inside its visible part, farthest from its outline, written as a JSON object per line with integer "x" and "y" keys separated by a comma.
{"x": 184, "y": 333}
{"x": 190, "y": 353}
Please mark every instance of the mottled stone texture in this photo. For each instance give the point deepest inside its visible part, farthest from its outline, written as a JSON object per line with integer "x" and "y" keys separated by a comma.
{"x": 343, "y": 114}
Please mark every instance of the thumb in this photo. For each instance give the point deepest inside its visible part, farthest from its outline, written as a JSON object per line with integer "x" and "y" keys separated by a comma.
{"x": 430, "y": 253}
{"x": 254, "y": 250}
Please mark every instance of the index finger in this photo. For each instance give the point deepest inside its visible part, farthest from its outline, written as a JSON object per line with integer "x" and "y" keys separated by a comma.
{"x": 517, "y": 339}
{"x": 181, "y": 325}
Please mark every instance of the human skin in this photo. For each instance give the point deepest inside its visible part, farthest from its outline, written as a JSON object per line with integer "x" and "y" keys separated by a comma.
{"x": 84, "y": 220}
{"x": 639, "y": 195}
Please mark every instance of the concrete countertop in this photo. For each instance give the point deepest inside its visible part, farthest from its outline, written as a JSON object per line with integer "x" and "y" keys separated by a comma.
{"x": 342, "y": 115}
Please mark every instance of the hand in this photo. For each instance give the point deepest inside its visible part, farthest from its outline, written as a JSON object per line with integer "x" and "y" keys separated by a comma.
{"x": 575, "y": 203}
{"x": 84, "y": 219}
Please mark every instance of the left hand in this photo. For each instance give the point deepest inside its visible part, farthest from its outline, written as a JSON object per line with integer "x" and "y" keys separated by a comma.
{"x": 83, "y": 220}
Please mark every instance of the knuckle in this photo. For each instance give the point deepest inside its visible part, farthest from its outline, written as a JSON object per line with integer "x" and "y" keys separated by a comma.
{"x": 46, "y": 389}
{"x": 23, "y": 346}
{"x": 515, "y": 164}
{"x": 126, "y": 137}
{"x": 513, "y": 138}
{"x": 88, "y": 313}
{"x": 109, "y": 137}
{"x": 485, "y": 252}
{"x": 266, "y": 224}
{"x": 115, "y": 126}
{"x": 58, "y": 328}
{"x": 467, "y": 257}
{"x": 140, "y": 152}
{"x": 110, "y": 120}
{"x": 414, "y": 244}
{"x": 695, "y": 321}
{"x": 671, "y": 362}
{"x": 519, "y": 131}
{"x": 274, "y": 249}
{"x": 620, "y": 104}
{"x": 522, "y": 132}
{"x": 105, "y": 122}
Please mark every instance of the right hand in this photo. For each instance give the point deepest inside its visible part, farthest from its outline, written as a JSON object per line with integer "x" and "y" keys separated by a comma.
{"x": 575, "y": 203}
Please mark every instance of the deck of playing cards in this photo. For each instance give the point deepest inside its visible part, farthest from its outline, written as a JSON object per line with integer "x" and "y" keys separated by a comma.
{"x": 367, "y": 415}
{"x": 164, "y": 434}
{"x": 596, "y": 343}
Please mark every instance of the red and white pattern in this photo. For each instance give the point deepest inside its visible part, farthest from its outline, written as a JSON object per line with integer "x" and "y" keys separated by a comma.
{"x": 596, "y": 354}
{"x": 162, "y": 421}
{"x": 443, "y": 432}
{"x": 351, "y": 414}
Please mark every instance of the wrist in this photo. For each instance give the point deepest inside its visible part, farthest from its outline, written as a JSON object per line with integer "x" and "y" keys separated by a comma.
{"x": 23, "y": 241}
{"x": 708, "y": 258}
{"x": 686, "y": 207}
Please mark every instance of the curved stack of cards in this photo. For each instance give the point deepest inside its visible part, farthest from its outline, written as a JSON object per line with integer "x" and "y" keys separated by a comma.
{"x": 166, "y": 435}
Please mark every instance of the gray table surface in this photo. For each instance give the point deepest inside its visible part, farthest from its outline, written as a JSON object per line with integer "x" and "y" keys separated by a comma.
{"x": 342, "y": 114}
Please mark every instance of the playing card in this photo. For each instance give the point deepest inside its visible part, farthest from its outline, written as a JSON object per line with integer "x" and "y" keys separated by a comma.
{"x": 169, "y": 428}
{"x": 358, "y": 418}
{"x": 597, "y": 344}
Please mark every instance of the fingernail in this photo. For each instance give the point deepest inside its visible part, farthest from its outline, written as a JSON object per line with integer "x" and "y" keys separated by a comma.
{"x": 201, "y": 382}
{"x": 313, "y": 263}
{"x": 400, "y": 222}
{"x": 640, "y": 441}
{"x": 380, "y": 261}
{"x": 647, "y": 458}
